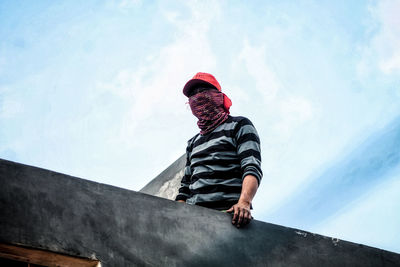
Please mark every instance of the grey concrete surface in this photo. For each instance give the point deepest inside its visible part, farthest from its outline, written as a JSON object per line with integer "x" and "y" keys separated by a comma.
{"x": 167, "y": 183}
{"x": 64, "y": 214}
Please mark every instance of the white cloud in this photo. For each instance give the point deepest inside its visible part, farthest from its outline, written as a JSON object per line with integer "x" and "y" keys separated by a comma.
{"x": 293, "y": 111}
{"x": 153, "y": 91}
{"x": 283, "y": 113}
{"x": 254, "y": 58}
{"x": 124, "y": 5}
{"x": 387, "y": 41}
{"x": 9, "y": 105}
{"x": 286, "y": 110}
{"x": 383, "y": 51}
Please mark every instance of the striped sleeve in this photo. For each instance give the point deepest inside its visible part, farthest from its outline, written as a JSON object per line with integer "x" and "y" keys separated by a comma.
{"x": 184, "y": 191}
{"x": 248, "y": 149}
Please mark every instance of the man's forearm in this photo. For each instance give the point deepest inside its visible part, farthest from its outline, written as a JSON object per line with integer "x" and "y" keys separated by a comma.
{"x": 241, "y": 210}
{"x": 249, "y": 189}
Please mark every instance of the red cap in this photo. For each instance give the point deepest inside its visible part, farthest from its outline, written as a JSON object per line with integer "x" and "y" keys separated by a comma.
{"x": 199, "y": 79}
{"x": 208, "y": 79}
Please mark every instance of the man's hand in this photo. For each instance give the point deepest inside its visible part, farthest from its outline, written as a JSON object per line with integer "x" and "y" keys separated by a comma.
{"x": 241, "y": 214}
{"x": 181, "y": 201}
{"x": 241, "y": 210}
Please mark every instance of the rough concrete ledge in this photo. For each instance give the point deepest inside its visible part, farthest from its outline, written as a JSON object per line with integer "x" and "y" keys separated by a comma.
{"x": 167, "y": 183}
{"x": 63, "y": 214}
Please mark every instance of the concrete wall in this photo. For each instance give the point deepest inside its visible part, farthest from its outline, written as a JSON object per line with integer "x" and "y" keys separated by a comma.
{"x": 64, "y": 214}
{"x": 167, "y": 183}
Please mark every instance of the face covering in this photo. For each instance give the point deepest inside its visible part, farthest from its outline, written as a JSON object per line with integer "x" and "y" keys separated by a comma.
{"x": 208, "y": 107}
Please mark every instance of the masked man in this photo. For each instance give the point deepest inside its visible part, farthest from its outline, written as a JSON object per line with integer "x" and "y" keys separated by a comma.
{"x": 223, "y": 161}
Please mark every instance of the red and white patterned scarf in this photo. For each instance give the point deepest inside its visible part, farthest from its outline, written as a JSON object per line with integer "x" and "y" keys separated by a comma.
{"x": 208, "y": 107}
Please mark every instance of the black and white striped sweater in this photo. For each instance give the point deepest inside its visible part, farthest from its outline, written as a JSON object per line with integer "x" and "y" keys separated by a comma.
{"x": 217, "y": 162}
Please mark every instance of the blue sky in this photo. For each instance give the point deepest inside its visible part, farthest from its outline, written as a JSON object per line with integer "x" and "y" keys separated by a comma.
{"x": 93, "y": 89}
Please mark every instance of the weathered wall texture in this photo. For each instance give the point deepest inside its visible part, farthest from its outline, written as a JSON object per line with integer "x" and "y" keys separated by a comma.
{"x": 167, "y": 183}
{"x": 60, "y": 213}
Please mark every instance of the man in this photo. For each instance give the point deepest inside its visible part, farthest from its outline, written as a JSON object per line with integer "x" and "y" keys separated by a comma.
{"x": 223, "y": 161}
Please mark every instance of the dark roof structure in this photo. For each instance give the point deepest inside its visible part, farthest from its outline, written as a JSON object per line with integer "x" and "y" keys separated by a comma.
{"x": 52, "y": 219}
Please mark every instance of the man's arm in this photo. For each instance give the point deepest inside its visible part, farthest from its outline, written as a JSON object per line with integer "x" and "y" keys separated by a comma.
{"x": 184, "y": 190}
{"x": 249, "y": 154}
{"x": 241, "y": 210}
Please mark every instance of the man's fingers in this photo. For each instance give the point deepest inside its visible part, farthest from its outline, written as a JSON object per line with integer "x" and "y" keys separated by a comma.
{"x": 248, "y": 217}
{"x": 235, "y": 215}
{"x": 244, "y": 218}
{"x": 241, "y": 215}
